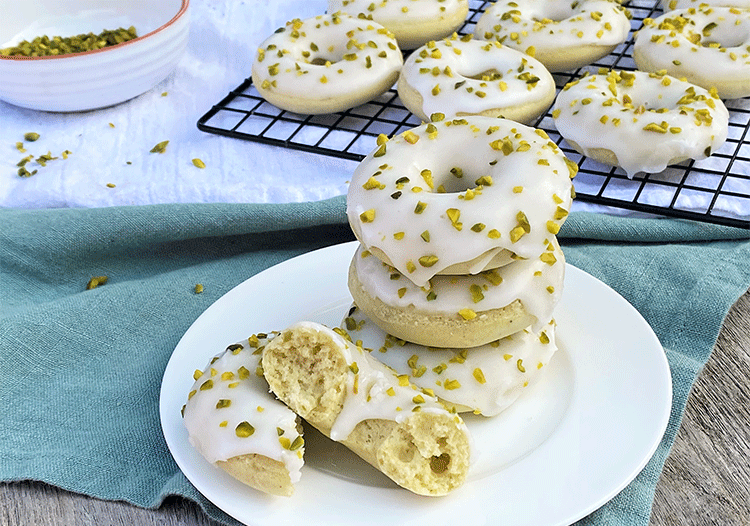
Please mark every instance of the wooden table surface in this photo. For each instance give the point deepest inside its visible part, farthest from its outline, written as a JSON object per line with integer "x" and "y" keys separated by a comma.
{"x": 706, "y": 479}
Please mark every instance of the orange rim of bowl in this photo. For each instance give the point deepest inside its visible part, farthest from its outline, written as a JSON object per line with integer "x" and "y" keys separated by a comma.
{"x": 183, "y": 8}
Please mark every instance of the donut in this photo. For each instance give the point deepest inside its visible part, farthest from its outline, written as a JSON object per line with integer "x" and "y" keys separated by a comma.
{"x": 413, "y": 22}
{"x": 709, "y": 46}
{"x": 340, "y": 389}
{"x": 485, "y": 379}
{"x": 640, "y": 121}
{"x": 561, "y": 35}
{"x": 426, "y": 201}
{"x": 326, "y": 64}
{"x": 234, "y": 422}
{"x": 459, "y": 311}
{"x": 671, "y": 5}
{"x": 463, "y": 76}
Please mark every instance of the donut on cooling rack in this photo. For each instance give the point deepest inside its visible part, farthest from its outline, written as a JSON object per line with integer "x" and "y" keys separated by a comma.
{"x": 709, "y": 46}
{"x": 561, "y": 35}
{"x": 234, "y": 422}
{"x": 462, "y": 76}
{"x": 424, "y": 201}
{"x": 459, "y": 311}
{"x": 640, "y": 121}
{"x": 485, "y": 380}
{"x": 326, "y": 64}
{"x": 413, "y": 22}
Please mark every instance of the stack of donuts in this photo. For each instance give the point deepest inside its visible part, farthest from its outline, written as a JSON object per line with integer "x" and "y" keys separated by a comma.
{"x": 457, "y": 222}
{"x": 458, "y": 270}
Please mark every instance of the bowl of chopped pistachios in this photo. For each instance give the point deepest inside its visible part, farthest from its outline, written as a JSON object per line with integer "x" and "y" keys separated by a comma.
{"x": 87, "y": 54}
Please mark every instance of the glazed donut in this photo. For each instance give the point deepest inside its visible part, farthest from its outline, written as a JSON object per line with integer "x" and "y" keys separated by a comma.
{"x": 426, "y": 201}
{"x": 326, "y": 64}
{"x": 485, "y": 379}
{"x": 671, "y": 5}
{"x": 235, "y": 423}
{"x": 352, "y": 398}
{"x": 459, "y": 311}
{"x": 462, "y": 76}
{"x": 709, "y": 46}
{"x": 413, "y": 22}
{"x": 640, "y": 121}
{"x": 561, "y": 35}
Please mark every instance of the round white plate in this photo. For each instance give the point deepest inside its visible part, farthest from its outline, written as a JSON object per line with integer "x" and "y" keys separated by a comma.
{"x": 568, "y": 445}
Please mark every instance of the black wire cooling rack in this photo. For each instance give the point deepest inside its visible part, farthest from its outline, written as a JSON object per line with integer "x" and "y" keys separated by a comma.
{"x": 715, "y": 190}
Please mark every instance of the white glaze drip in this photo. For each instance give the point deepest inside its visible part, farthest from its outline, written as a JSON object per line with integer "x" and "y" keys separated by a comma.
{"x": 530, "y": 177}
{"x": 359, "y": 52}
{"x": 444, "y": 73}
{"x": 710, "y": 46}
{"x": 612, "y": 111}
{"x": 232, "y": 376}
{"x": 485, "y": 379}
{"x": 553, "y": 24}
{"x": 537, "y": 283}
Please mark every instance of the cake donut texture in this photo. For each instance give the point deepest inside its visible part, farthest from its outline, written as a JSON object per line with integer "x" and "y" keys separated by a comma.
{"x": 459, "y": 311}
{"x": 640, "y": 121}
{"x": 235, "y": 423}
{"x": 463, "y": 76}
{"x": 413, "y": 22}
{"x": 450, "y": 196}
{"x": 561, "y": 35}
{"x": 326, "y": 64}
{"x": 345, "y": 393}
{"x": 708, "y": 46}
{"x": 485, "y": 379}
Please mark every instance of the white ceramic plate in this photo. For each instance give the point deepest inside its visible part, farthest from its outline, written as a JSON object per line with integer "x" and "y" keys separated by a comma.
{"x": 567, "y": 446}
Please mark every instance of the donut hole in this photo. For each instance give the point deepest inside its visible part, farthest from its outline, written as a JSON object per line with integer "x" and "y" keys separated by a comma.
{"x": 488, "y": 75}
{"x": 557, "y": 12}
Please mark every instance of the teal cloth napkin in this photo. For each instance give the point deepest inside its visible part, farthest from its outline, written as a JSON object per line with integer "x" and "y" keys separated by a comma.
{"x": 80, "y": 370}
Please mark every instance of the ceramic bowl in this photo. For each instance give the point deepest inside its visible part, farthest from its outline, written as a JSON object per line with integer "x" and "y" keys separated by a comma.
{"x": 92, "y": 79}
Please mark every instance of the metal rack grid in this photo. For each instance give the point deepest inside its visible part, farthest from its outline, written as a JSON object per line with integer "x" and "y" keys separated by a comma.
{"x": 715, "y": 190}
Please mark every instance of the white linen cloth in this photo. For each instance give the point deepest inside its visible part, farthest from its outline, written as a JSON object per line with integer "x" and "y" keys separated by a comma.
{"x": 110, "y": 162}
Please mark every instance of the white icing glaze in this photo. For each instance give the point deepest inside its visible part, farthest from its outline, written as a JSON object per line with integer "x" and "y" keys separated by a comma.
{"x": 387, "y": 12}
{"x": 409, "y": 17}
{"x": 212, "y": 425}
{"x": 327, "y": 57}
{"x": 537, "y": 282}
{"x": 373, "y": 390}
{"x": 671, "y": 5}
{"x": 445, "y": 74}
{"x": 485, "y": 379}
{"x": 709, "y": 46}
{"x": 644, "y": 119}
{"x": 554, "y": 25}
{"x": 514, "y": 191}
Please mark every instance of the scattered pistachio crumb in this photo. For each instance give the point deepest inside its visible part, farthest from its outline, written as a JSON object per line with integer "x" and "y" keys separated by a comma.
{"x": 160, "y": 147}
{"x": 96, "y": 281}
{"x": 198, "y": 288}
{"x": 198, "y": 163}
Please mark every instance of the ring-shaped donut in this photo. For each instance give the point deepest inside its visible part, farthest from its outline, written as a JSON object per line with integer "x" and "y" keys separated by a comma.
{"x": 326, "y": 64}
{"x": 485, "y": 380}
{"x": 413, "y": 22}
{"x": 709, "y": 46}
{"x": 561, "y": 35}
{"x": 640, "y": 121}
{"x": 449, "y": 196}
{"x": 459, "y": 311}
{"x": 462, "y": 76}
